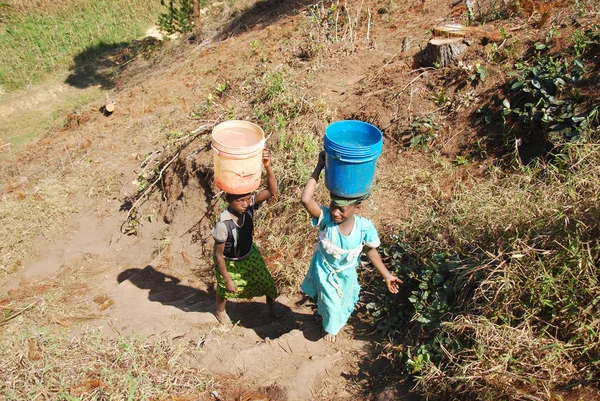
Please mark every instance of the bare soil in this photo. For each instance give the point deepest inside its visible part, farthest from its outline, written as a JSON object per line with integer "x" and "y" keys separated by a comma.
{"x": 159, "y": 282}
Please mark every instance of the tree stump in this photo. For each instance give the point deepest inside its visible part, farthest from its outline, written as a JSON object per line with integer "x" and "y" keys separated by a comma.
{"x": 450, "y": 31}
{"x": 108, "y": 107}
{"x": 441, "y": 52}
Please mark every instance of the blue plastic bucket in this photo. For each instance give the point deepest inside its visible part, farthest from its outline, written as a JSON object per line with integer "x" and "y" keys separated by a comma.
{"x": 352, "y": 148}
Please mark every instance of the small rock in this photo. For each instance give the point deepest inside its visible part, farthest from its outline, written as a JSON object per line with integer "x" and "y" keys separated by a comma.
{"x": 389, "y": 393}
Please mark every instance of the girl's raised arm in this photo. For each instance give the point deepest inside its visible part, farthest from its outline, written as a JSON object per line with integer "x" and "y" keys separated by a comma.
{"x": 271, "y": 189}
{"x": 309, "y": 203}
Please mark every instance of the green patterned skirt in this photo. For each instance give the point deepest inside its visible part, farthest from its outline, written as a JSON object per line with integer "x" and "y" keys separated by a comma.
{"x": 250, "y": 275}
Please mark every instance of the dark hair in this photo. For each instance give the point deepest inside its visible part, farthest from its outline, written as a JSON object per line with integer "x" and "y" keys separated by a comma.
{"x": 231, "y": 197}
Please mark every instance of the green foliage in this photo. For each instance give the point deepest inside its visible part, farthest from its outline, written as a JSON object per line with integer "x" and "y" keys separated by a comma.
{"x": 179, "y": 16}
{"x": 276, "y": 104}
{"x": 509, "y": 50}
{"x": 221, "y": 88}
{"x": 440, "y": 98}
{"x": 584, "y": 41}
{"x": 274, "y": 85}
{"x": 423, "y": 130}
{"x": 427, "y": 299}
{"x": 255, "y": 46}
{"x": 542, "y": 98}
{"x": 479, "y": 74}
{"x": 547, "y": 98}
{"x": 434, "y": 293}
{"x": 520, "y": 252}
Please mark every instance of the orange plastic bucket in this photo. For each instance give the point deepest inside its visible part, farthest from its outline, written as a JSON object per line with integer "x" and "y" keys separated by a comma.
{"x": 238, "y": 148}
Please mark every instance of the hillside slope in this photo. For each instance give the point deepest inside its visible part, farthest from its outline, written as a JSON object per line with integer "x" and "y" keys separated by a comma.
{"x": 108, "y": 283}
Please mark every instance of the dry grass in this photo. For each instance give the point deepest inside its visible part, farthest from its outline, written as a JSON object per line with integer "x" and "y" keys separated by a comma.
{"x": 512, "y": 362}
{"x": 29, "y": 209}
{"x": 49, "y": 351}
{"x": 50, "y": 363}
{"x": 526, "y": 325}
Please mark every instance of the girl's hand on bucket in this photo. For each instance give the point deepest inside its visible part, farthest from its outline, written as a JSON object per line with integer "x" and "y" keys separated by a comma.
{"x": 392, "y": 284}
{"x": 321, "y": 162}
{"x": 266, "y": 157}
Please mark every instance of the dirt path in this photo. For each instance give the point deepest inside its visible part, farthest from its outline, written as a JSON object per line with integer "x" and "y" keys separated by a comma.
{"x": 284, "y": 358}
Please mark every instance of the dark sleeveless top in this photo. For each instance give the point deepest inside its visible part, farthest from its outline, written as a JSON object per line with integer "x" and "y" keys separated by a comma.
{"x": 239, "y": 237}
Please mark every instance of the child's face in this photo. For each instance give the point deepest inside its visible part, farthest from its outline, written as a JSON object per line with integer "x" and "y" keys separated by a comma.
{"x": 241, "y": 204}
{"x": 340, "y": 214}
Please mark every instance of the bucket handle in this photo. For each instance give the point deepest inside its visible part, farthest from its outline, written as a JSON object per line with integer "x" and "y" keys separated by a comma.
{"x": 350, "y": 161}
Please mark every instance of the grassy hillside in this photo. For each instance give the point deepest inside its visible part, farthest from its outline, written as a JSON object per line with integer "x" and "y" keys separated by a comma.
{"x": 40, "y": 39}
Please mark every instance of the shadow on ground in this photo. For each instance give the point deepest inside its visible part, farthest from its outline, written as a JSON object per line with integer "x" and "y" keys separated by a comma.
{"x": 168, "y": 290}
{"x": 96, "y": 65}
{"x": 99, "y": 65}
{"x": 376, "y": 374}
{"x": 262, "y": 14}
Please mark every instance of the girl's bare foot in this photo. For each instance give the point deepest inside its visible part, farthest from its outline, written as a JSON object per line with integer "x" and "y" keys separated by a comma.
{"x": 223, "y": 317}
{"x": 329, "y": 337}
{"x": 276, "y": 308}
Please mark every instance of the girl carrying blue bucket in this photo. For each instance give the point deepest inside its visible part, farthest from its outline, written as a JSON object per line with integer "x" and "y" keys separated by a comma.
{"x": 332, "y": 280}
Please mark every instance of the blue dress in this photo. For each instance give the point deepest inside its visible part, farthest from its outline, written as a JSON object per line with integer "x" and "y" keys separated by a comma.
{"x": 332, "y": 280}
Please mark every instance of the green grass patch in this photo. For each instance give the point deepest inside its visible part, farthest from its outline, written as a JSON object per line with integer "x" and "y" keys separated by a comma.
{"x": 28, "y": 114}
{"x": 38, "y": 43}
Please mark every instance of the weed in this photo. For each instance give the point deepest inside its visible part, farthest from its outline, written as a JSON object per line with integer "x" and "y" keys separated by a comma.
{"x": 440, "y": 98}
{"x": 462, "y": 160}
{"x": 552, "y": 33}
{"x": 221, "y": 88}
{"x": 479, "y": 74}
{"x": 255, "y": 46}
{"x": 509, "y": 50}
{"x": 423, "y": 130}
{"x": 276, "y": 102}
{"x": 539, "y": 101}
{"x": 584, "y": 41}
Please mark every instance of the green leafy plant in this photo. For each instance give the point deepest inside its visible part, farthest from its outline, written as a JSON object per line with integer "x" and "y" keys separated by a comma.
{"x": 440, "y": 98}
{"x": 427, "y": 300}
{"x": 479, "y": 74}
{"x": 583, "y": 41}
{"x": 254, "y": 47}
{"x": 462, "y": 160}
{"x": 544, "y": 97}
{"x": 428, "y": 282}
{"x": 423, "y": 130}
{"x": 221, "y": 88}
